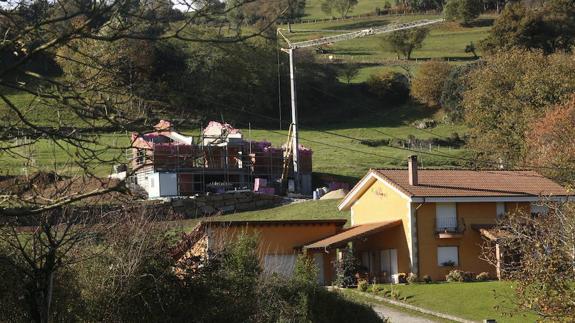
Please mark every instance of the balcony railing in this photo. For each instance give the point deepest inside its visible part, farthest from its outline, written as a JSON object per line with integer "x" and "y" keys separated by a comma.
{"x": 446, "y": 224}
{"x": 449, "y": 228}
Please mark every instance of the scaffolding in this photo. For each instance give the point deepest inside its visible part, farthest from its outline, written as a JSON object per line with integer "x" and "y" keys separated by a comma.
{"x": 215, "y": 166}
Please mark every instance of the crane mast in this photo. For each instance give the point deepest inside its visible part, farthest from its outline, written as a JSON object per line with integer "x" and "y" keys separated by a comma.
{"x": 292, "y": 46}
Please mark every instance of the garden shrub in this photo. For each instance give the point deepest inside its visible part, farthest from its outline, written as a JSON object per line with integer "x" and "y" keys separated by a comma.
{"x": 457, "y": 275}
{"x": 402, "y": 278}
{"x": 376, "y": 289}
{"x": 391, "y": 87}
{"x": 412, "y": 278}
{"x": 427, "y": 279}
{"x": 484, "y": 276}
{"x": 362, "y": 285}
{"x": 345, "y": 269}
{"x": 454, "y": 276}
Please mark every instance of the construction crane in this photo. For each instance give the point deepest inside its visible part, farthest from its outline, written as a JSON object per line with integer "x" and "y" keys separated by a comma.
{"x": 292, "y": 46}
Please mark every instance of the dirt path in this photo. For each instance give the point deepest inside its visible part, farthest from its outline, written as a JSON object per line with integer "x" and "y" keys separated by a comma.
{"x": 396, "y": 316}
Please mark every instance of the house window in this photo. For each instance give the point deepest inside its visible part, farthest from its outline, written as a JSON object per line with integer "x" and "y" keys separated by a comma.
{"x": 500, "y": 210}
{"x": 538, "y": 209}
{"x": 448, "y": 256}
{"x": 446, "y": 217}
{"x": 279, "y": 264}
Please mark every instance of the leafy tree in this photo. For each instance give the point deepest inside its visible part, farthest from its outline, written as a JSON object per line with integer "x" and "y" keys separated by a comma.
{"x": 464, "y": 11}
{"x": 428, "y": 84}
{"x": 550, "y": 142}
{"x": 506, "y": 93}
{"x": 342, "y": 7}
{"x": 471, "y": 49}
{"x": 391, "y": 87}
{"x": 349, "y": 72}
{"x": 452, "y": 95}
{"x": 550, "y": 28}
{"x": 404, "y": 42}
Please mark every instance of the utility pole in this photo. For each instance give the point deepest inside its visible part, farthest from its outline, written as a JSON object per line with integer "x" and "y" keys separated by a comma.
{"x": 295, "y": 147}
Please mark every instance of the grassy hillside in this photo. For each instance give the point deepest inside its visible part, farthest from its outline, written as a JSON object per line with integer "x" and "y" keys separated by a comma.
{"x": 313, "y": 8}
{"x": 337, "y": 147}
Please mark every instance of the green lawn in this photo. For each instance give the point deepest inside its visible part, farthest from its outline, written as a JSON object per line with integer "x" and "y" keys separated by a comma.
{"x": 473, "y": 301}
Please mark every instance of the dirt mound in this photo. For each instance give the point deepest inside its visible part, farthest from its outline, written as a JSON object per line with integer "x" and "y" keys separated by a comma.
{"x": 46, "y": 187}
{"x": 335, "y": 195}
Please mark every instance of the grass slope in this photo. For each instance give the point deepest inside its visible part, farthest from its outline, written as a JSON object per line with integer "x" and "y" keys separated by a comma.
{"x": 337, "y": 149}
{"x": 474, "y": 301}
{"x": 307, "y": 210}
{"x": 313, "y": 8}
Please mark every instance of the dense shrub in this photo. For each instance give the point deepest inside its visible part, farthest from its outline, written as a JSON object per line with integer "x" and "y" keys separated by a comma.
{"x": 391, "y": 87}
{"x": 484, "y": 276}
{"x": 362, "y": 285}
{"x": 428, "y": 84}
{"x": 345, "y": 269}
{"x": 463, "y": 11}
{"x": 460, "y": 276}
{"x": 454, "y": 276}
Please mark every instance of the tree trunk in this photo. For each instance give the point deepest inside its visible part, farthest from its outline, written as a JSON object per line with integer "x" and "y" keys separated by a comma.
{"x": 289, "y": 26}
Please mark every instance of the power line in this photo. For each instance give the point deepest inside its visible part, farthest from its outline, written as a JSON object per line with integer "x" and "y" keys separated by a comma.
{"x": 467, "y": 160}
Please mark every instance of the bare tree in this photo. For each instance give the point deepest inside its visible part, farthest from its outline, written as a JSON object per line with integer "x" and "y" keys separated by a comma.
{"x": 104, "y": 49}
{"x": 537, "y": 252}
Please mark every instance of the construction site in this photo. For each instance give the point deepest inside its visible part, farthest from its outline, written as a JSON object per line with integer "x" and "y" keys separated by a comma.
{"x": 166, "y": 163}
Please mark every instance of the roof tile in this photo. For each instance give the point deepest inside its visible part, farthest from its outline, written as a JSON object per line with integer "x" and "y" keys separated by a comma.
{"x": 469, "y": 183}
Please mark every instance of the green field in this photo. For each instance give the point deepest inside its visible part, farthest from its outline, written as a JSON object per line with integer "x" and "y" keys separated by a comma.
{"x": 445, "y": 41}
{"x": 337, "y": 149}
{"x": 313, "y": 8}
{"x": 473, "y": 301}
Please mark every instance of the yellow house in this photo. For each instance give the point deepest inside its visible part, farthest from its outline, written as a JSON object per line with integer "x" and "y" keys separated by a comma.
{"x": 426, "y": 222}
{"x": 429, "y": 222}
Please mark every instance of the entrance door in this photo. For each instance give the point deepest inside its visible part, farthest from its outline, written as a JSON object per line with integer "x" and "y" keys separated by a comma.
{"x": 318, "y": 259}
{"x": 389, "y": 262}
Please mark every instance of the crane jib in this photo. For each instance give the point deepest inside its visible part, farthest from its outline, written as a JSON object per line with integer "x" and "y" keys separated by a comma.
{"x": 363, "y": 33}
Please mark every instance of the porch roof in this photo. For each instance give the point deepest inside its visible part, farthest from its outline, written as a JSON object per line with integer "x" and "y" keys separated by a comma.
{"x": 352, "y": 233}
{"x": 494, "y": 234}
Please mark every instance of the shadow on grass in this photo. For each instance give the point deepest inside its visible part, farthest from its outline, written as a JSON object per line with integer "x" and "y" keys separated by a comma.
{"x": 483, "y": 22}
{"x": 360, "y": 25}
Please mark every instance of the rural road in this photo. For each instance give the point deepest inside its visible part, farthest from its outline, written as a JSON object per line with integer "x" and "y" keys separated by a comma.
{"x": 396, "y": 316}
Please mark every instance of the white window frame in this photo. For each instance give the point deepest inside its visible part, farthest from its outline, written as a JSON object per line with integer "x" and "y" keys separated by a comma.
{"x": 447, "y": 253}
{"x": 445, "y": 217}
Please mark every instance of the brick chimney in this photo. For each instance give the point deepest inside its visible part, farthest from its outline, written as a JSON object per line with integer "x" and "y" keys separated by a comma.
{"x": 412, "y": 169}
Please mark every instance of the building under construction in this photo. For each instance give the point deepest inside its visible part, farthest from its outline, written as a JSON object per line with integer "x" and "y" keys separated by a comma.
{"x": 169, "y": 164}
